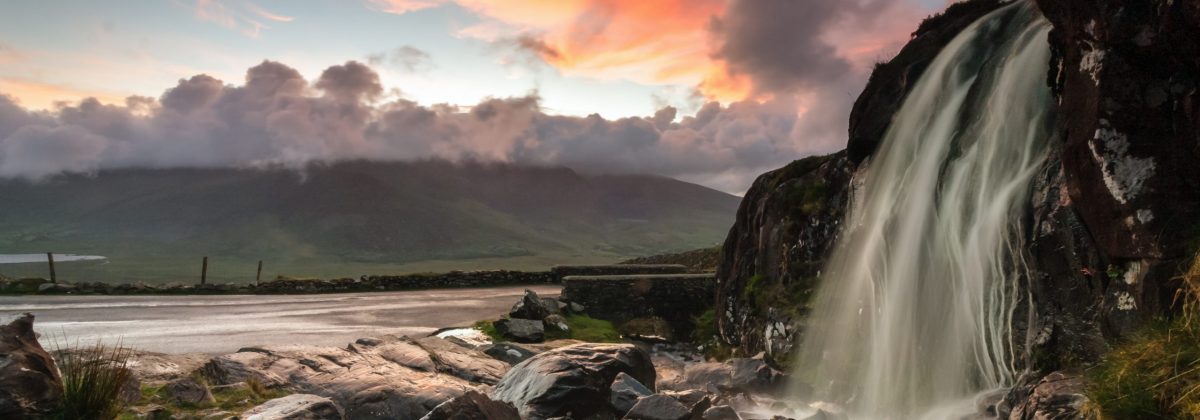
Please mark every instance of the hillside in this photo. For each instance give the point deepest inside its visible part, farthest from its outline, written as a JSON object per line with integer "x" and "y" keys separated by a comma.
{"x": 352, "y": 218}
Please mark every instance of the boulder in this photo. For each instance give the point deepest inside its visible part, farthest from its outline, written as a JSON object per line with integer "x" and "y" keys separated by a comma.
{"x": 521, "y": 330}
{"x": 1057, "y": 396}
{"x": 131, "y": 390}
{"x": 29, "y": 383}
{"x": 508, "y": 352}
{"x": 530, "y": 307}
{"x": 296, "y": 407}
{"x": 473, "y": 406}
{"x": 752, "y": 375}
{"x": 625, "y": 392}
{"x": 658, "y": 407}
{"x": 720, "y": 412}
{"x": 188, "y": 391}
{"x": 574, "y": 379}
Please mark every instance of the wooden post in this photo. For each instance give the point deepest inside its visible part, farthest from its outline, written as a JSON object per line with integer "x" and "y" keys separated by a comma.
{"x": 50, "y": 258}
{"x": 258, "y": 277}
{"x": 204, "y": 271}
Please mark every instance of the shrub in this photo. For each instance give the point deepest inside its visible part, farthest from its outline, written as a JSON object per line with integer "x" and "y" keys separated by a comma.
{"x": 92, "y": 380}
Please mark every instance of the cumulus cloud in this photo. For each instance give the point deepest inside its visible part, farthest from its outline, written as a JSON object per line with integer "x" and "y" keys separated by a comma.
{"x": 275, "y": 117}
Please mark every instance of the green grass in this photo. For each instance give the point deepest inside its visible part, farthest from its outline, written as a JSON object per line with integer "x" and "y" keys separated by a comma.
{"x": 92, "y": 380}
{"x": 593, "y": 330}
{"x": 582, "y": 328}
{"x": 1156, "y": 374}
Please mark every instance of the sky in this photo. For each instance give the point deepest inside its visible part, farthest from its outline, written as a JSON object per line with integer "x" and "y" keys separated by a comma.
{"x": 708, "y": 91}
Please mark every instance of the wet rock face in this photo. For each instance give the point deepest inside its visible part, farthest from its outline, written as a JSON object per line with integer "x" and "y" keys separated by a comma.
{"x": 890, "y": 82}
{"x": 29, "y": 383}
{"x": 573, "y": 380}
{"x": 1114, "y": 213}
{"x": 784, "y": 230}
{"x": 1127, "y": 76}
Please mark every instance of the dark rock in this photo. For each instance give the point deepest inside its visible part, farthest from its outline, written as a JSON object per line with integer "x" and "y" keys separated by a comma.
{"x": 368, "y": 341}
{"x": 650, "y": 329}
{"x": 188, "y": 391}
{"x": 530, "y": 307}
{"x": 552, "y": 305}
{"x": 29, "y": 383}
{"x": 825, "y": 415}
{"x": 296, "y": 407}
{"x": 507, "y": 352}
{"x": 658, "y": 407}
{"x": 473, "y": 406}
{"x": 784, "y": 230}
{"x": 1057, "y": 396}
{"x": 625, "y": 392}
{"x": 521, "y": 330}
{"x": 721, "y": 412}
{"x": 577, "y": 308}
{"x": 751, "y": 375}
{"x": 697, "y": 410}
{"x": 574, "y": 379}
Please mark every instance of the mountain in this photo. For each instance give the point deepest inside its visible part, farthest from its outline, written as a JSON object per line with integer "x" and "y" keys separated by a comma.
{"x": 353, "y": 218}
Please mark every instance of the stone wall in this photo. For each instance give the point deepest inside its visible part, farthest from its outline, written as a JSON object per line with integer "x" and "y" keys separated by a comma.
{"x": 676, "y": 298}
{"x": 562, "y": 271}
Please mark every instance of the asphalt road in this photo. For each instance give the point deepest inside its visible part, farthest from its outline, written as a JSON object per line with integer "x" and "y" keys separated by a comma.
{"x": 222, "y": 324}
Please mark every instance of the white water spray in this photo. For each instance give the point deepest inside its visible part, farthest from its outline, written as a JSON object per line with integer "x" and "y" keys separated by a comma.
{"x": 916, "y": 304}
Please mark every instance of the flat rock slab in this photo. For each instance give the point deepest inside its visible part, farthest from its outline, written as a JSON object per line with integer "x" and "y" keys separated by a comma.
{"x": 296, "y": 407}
{"x": 384, "y": 381}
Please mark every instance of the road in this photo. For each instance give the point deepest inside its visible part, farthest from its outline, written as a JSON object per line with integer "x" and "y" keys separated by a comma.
{"x": 223, "y": 324}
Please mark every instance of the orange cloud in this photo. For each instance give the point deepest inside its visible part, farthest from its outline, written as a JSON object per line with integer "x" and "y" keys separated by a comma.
{"x": 40, "y": 95}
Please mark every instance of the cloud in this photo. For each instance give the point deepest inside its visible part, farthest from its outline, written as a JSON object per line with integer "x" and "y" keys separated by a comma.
{"x": 239, "y": 15}
{"x": 406, "y": 57}
{"x": 276, "y": 117}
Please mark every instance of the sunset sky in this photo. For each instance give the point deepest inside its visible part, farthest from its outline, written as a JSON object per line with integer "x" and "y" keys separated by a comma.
{"x": 709, "y": 91}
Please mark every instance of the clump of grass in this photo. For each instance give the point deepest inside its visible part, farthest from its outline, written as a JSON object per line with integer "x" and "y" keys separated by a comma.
{"x": 585, "y": 328}
{"x": 1157, "y": 373}
{"x": 489, "y": 330}
{"x": 92, "y": 380}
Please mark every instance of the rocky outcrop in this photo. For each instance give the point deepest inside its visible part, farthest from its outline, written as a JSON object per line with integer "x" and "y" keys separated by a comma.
{"x": 573, "y": 380}
{"x": 296, "y": 407}
{"x": 29, "y": 383}
{"x": 188, "y": 391}
{"x": 1115, "y": 209}
{"x": 397, "y": 378}
{"x": 784, "y": 230}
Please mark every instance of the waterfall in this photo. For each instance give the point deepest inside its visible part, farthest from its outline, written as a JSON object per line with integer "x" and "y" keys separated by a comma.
{"x": 916, "y": 303}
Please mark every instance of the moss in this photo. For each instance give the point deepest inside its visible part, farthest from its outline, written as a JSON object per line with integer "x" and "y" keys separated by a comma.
{"x": 589, "y": 329}
{"x": 234, "y": 399}
{"x": 809, "y": 197}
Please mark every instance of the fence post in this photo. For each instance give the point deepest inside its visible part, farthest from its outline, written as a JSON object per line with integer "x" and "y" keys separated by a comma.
{"x": 258, "y": 277}
{"x": 50, "y": 258}
{"x": 204, "y": 271}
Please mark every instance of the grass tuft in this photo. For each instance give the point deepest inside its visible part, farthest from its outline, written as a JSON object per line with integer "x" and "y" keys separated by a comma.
{"x": 1157, "y": 373}
{"x": 92, "y": 380}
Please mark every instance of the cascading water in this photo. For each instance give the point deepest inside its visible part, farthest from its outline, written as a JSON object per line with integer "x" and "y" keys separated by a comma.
{"x": 916, "y": 303}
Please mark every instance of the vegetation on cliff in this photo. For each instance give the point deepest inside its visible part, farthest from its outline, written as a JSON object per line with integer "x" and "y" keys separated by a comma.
{"x": 1156, "y": 374}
